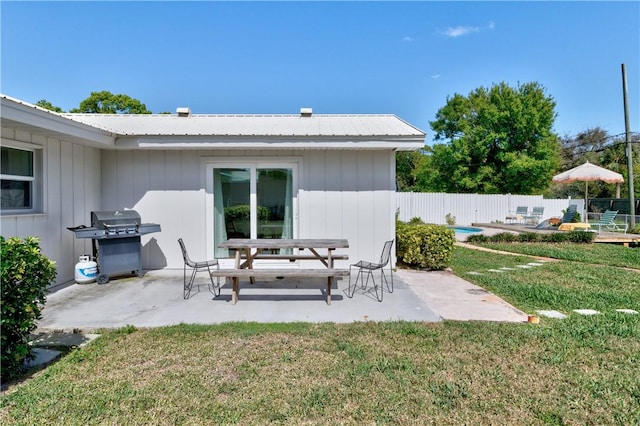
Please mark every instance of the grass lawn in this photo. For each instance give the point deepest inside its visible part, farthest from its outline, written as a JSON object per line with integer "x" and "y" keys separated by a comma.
{"x": 595, "y": 254}
{"x": 581, "y": 370}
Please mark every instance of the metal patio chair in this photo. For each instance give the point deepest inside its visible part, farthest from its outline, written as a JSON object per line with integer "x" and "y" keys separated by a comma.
{"x": 518, "y": 215}
{"x": 369, "y": 268}
{"x": 203, "y": 266}
{"x": 535, "y": 216}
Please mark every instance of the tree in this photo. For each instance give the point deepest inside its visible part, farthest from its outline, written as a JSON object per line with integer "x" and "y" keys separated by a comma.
{"x": 576, "y": 150}
{"x": 43, "y": 103}
{"x": 598, "y": 147}
{"x": 497, "y": 140}
{"x": 107, "y": 103}
{"x": 585, "y": 146}
{"x": 614, "y": 157}
{"x": 409, "y": 165}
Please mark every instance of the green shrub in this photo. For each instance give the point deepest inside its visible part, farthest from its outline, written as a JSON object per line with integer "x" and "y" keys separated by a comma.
{"x": 450, "y": 219}
{"x": 577, "y": 218}
{"x": 504, "y": 237}
{"x": 26, "y": 273}
{"x": 416, "y": 221}
{"x": 580, "y": 237}
{"x": 242, "y": 212}
{"x": 577, "y": 237}
{"x": 556, "y": 237}
{"x": 528, "y": 237}
{"x": 477, "y": 239}
{"x": 424, "y": 246}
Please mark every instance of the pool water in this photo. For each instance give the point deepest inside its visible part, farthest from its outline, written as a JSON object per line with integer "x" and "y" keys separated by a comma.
{"x": 465, "y": 229}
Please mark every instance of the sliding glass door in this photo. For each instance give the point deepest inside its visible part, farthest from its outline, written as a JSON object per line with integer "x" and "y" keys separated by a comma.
{"x": 252, "y": 200}
{"x": 275, "y": 203}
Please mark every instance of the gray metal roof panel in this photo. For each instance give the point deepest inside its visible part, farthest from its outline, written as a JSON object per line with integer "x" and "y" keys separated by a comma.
{"x": 323, "y": 125}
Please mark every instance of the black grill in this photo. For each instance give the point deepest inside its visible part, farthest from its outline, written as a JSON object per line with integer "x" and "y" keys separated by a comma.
{"x": 116, "y": 241}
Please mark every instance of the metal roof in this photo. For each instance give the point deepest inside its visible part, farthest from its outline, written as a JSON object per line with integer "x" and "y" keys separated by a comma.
{"x": 320, "y": 125}
{"x": 20, "y": 115}
{"x": 200, "y": 131}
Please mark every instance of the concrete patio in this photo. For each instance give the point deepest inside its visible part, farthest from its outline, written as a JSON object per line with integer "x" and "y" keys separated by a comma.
{"x": 156, "y": 300}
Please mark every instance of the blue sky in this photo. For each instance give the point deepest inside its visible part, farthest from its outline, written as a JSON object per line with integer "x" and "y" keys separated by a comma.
{"x": 403, "y": 58}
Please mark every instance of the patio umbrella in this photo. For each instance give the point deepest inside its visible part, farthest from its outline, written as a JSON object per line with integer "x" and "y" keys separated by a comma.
{"x": 586, "y": 173}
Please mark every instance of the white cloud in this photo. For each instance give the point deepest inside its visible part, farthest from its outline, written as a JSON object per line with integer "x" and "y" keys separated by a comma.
{"x": 408, "y": 39}
{"x": 461, "y": 30}
{"x": 435, "y": 76}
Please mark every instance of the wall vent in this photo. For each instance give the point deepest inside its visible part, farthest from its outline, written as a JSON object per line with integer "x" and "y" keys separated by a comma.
{"x": 183, "y": 111}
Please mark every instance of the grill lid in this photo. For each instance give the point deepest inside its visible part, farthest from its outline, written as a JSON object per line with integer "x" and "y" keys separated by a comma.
{"x": 114, "y": 224}
{"x": 115, "y": 218}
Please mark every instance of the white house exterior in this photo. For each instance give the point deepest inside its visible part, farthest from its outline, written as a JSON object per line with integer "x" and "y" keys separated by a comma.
{"x": 313, "y": 176}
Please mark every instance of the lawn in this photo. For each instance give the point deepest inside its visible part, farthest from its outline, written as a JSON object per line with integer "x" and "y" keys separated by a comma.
{"x": 581, "y": 370}
{"x": 595, "y": 254}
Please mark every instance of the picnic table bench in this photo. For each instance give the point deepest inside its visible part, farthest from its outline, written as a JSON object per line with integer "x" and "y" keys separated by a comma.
{"x": 294, "y": 257}
{"x": 246, "y": 269}
{"x": 236, "y": 274}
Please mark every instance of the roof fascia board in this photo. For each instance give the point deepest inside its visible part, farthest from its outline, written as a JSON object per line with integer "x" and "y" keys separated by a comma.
{"x": 33, "y": 117}
{"x": 190, "y": 142}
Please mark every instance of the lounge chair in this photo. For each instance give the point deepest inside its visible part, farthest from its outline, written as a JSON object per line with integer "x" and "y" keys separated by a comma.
{"x": 568, "y": 217}
{"x": 567, "y": 224}
{"x": 606, "y": 222}
{"x": 518, "y": 216}
{"x": 569, "y": 214}
{"x": 535, "y": 216}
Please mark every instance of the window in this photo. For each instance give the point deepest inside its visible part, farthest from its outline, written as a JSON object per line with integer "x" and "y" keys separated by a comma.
{"x": 20, "y": 179}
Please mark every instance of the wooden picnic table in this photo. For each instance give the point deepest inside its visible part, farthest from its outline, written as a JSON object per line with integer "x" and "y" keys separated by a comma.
{"x": 249, "y": 249}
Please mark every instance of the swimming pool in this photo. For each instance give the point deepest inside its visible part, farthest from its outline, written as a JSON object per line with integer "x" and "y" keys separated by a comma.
{"x": 465, "y": 229}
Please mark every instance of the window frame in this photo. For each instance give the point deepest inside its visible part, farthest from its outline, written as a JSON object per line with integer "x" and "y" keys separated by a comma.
{"x": 37, "y": 195}
{"x": 253, "y": 164}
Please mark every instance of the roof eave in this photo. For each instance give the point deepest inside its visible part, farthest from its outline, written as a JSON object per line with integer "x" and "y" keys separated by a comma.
{"x": 33, "y": 119}
{"x": 399, "y": 143}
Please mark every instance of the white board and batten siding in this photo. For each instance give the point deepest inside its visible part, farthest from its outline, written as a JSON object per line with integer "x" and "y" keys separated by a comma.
{"x": 164, "y": 187}
{"x": 71, "y": 186}
{"x": 475, "y": 208}
{"x": 341, "y": 194}
{"x": 349, "y": 194}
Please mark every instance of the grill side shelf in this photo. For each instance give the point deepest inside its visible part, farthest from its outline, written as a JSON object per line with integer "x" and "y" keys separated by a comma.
{"x": 100, "y": 233}
{"x": 148, "y": 228}
{"x": 89, "y": 233}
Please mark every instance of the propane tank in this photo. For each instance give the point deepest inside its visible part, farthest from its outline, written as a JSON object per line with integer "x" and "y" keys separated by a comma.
{"x": 86, "y": 270}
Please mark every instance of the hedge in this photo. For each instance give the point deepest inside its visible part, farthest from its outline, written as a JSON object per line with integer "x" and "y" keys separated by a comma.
{"x": 578, "y": 237}
{"x": 26, "y": 273}
{"x": 423, "y": 245}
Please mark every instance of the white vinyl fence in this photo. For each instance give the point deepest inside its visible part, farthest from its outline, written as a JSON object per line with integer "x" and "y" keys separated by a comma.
{"x": 475, "y": 208}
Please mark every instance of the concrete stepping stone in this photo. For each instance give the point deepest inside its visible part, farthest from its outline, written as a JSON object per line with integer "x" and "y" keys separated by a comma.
{"x": 627, "y": 311}
{"x": 496, "y": 270}
{"x": 523, "y": 266}
{"x": 504, "y": 268}
{"x": 586, "y": 311}
{"x": 474, "y": 273}
{"x": 534, "y": 264}
{"x": 552, "y": 314}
